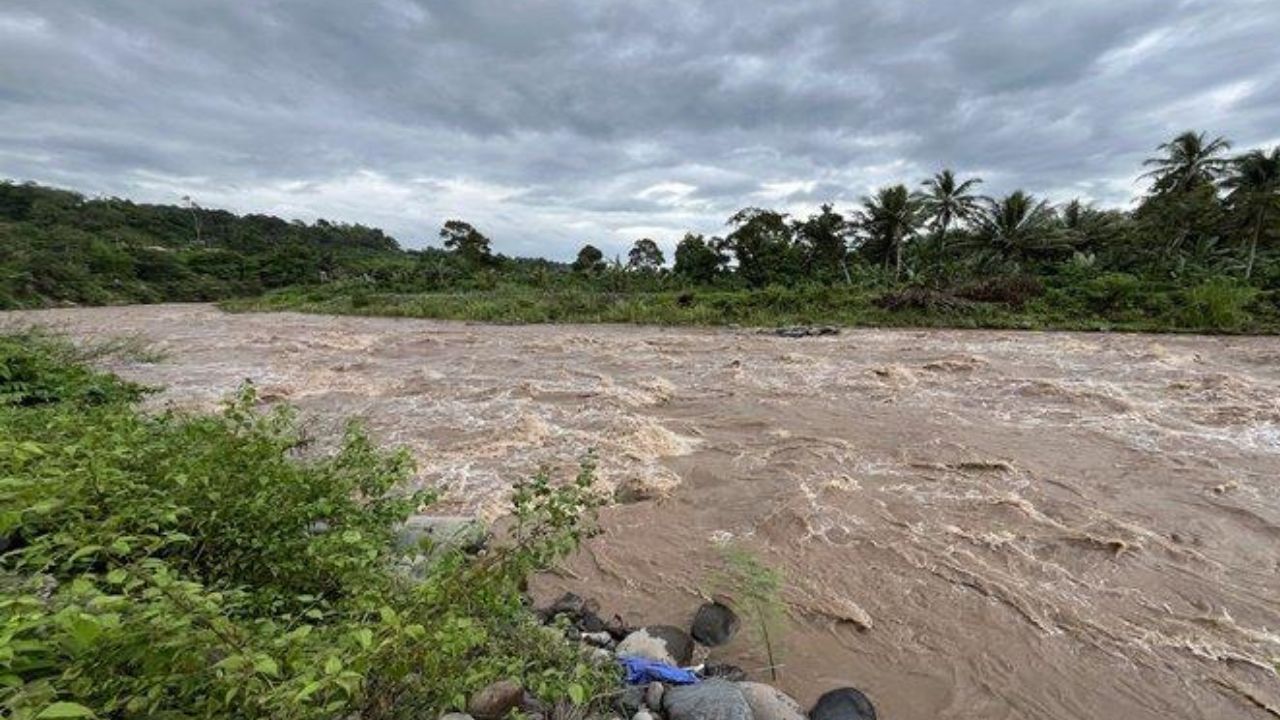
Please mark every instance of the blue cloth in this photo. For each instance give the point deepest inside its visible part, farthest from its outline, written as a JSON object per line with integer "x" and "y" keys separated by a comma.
{"x": 642, "y": 671}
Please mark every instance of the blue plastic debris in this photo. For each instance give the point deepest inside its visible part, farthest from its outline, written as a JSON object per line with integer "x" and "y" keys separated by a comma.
{"x": 642, "y": 671}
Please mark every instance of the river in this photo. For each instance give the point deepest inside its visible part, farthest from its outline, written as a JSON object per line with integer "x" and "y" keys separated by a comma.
{"x": 970, "y": 524}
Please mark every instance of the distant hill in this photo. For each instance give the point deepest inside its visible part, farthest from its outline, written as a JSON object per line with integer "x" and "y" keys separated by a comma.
{"x": 57, "y": 247}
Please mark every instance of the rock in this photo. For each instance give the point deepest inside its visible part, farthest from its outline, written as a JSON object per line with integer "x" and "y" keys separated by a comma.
{"x": 641, "y": 489}
{"x": 653, "y": 696}
{"x": 600, "y": 657}
{"x": 642, "y": 714}
{"x": 570, "y": 604}
{"x": 456, "y": 716}
{"x": 432, "y": 534}
{"x": 707, "y": 700}
{"x": 843, "y": 704}
{"x": 714, "y": 624}
{"x": 496, "y": 700}
{"x": 769, "y": 703}
{"x": 580, "y": 611}
{"x": 629, "y": 701}
{"x": 598, "y": 639}
{"x": 802, "y": 331}
{"x": 660, "y": 643}
{"x": 724, "y": 671}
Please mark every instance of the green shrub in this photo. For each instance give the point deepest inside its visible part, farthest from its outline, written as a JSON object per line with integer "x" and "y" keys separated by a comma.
{"x": 1217, "y": 304}
{"x": 196, "y": 566}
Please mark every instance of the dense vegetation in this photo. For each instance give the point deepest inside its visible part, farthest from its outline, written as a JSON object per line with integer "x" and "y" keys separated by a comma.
{"x": 210, "y": 566}
{"x": 1198, "y": 252}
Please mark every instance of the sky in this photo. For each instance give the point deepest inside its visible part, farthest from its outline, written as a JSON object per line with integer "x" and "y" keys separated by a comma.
{"x": 552, "y": 123}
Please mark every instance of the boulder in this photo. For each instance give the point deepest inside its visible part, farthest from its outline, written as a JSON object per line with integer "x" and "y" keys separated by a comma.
{"x": 496, "y": 700}
{"x": 843, "y": 704}
{"x": 660, "y": 643}
{"x": 707, "y": 700}
{"x": 714, "y": 624}
{"x": 769, "y": 703}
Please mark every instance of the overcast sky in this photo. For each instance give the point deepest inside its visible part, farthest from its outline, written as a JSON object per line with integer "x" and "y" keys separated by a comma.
{"x": 551, "y": 123}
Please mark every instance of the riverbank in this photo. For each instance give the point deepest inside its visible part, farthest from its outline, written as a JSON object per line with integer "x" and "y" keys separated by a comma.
{"x": 1117, "y": 304}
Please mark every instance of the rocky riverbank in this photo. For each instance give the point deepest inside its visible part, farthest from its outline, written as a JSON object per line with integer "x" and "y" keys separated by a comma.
{"x": 666, "y": 675}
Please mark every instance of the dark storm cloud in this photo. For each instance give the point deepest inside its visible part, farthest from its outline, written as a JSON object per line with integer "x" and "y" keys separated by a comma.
{"x": 549, "y": 123}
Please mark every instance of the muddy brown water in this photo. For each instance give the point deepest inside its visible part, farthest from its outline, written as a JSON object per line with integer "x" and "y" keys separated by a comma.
{"x": 970, "y": 524}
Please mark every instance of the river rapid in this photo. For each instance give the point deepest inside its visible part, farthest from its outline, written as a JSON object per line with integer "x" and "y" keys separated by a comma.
{"x": 970, "y": 524}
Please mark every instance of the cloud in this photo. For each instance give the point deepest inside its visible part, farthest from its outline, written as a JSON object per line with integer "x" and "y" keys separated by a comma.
{"x": 551, "y": 123}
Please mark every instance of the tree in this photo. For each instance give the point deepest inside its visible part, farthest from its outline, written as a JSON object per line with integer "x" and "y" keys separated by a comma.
{"x": 761, "y": 244}
{"x": 696, "y": 259}
{"x": 1253, "y": 196}
{"x": 946, "y": 201}
{"x": 1018, "y": 227}
{"x": 821, "y": 240}
{"x": 1188, "y": 160}
{"x": 887, "y": 222}
{"x": 467, "y": 242}
{"x": 645, "y": 255}
{"x": 590, "y": 260}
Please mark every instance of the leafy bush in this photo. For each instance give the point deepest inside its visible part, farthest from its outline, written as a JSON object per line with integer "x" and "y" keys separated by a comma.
{"x": 196, "y": 566}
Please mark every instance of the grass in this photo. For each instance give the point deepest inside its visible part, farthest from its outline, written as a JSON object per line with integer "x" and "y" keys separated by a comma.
{"x": 1106, "y": 305}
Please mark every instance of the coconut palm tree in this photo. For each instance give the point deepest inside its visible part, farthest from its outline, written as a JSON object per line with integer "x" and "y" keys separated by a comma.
{"x": 1253, "y": 193}
{"x": 1187, "y": 161}
{"x": 1017, "y": 227}
{"x": 887, "y": 221}
{"x": 946, "y": 201}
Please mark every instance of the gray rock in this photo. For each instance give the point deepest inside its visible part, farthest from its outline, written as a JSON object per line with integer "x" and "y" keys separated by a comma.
{"x": 843, "y": 704}
{"x": 431, "y": 534}
{"x": 803, "y": 331}
{"x": 769, "y": 703}
{"x": 653, "y": 696}
{"x": 456, "y": 716}
{"x": 496, "y": 700}
{"x": 598, "y": 639}
{"x": 642, "y": 714}
{"x": 707, "y": 700}
{"x": 660, "y": 643}
{"x": 424, "y": 538}
{"x": 600, "y": 657}
{"x": 629, "y": 701}
{"x": 714, "y": 624}
{"x": 724, "y": 671}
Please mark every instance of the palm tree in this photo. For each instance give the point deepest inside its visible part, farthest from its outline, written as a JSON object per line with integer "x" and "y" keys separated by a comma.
{"x": 946, "y": 201}
{"x": 1018, "y": 226}
{"x": 888, "y": 220}
{"x": 1187, "y": 161}
{"x": 1253, "y": 191}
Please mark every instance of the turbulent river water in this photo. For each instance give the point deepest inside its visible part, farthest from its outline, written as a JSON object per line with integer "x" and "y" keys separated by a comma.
{"x": 970, "y": 524}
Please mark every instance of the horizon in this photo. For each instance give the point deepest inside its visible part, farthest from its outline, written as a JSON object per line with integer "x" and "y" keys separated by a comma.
{"x": 572, "y": 123}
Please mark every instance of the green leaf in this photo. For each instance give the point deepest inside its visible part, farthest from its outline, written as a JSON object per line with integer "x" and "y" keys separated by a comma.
{"x": 333, "y": 665}
{"x": 577, "y": 694}
{"x": 266, "y": 666}
{"x": 65, "y": 710}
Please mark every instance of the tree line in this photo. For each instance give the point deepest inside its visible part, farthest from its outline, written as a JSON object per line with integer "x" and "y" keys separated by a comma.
{"x": 1207, "y": 213}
